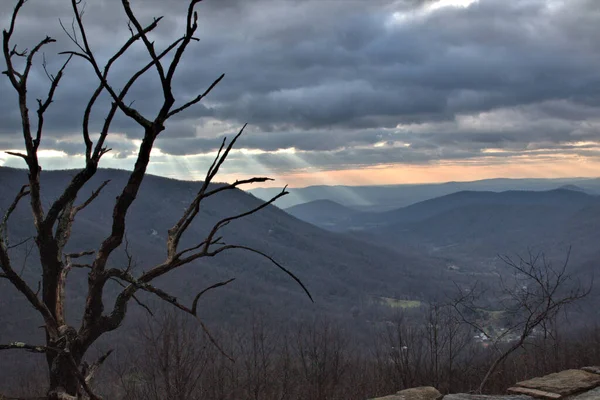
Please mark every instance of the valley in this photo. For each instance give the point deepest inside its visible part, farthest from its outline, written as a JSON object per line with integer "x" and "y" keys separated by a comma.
{"x": 373, "y": 275}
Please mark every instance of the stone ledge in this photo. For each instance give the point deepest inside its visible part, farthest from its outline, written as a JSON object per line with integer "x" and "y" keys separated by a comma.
{"x": 418, "y": 393}
{"x": 485, "y": 397}
{"x": 571, "y": 384}
{"x": 564, "y": 383}
{"x": 538, "y": 394}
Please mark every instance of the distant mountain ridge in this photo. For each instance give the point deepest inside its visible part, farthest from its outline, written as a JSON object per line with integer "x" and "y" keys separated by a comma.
{"x": 343, "y": 218}
{"x": 323, "y": 213}
{"x": 574, "y": 188}
{"x": 389, "y": 197}
{"x": 432, "y": 207}
{"x": 471, "y": 228}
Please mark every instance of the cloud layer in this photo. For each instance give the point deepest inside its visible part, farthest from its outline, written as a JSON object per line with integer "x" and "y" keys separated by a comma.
{"x": 331, "y": 84}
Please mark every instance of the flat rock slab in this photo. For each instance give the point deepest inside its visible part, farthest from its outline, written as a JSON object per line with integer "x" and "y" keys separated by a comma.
{"x": 418, "y": 393}
{"x": 591, "y": 395}
{"x": 564, "y": 383}
{"x": 485, "y": 397}
{"x": 538, "y": 394}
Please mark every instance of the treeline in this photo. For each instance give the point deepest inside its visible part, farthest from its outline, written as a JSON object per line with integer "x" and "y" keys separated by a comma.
{"x": 324, "y": 360}
{"x": 169, "y": 357}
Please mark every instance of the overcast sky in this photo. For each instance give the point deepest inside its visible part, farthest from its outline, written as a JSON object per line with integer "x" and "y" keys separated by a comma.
{"x": 340, "y": 91}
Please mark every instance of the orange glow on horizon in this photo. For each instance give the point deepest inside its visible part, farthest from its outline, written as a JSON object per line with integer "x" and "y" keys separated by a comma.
{"x": 515, "y": 167}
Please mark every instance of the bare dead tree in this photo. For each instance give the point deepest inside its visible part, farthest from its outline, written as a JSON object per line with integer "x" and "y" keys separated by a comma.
{"x": 66, "y": 345}
{"x": 536, "y": 293}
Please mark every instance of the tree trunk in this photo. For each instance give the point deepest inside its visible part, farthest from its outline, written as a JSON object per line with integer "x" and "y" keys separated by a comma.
{"x": 63, "y": 380}
{"x": 63, "y": 366}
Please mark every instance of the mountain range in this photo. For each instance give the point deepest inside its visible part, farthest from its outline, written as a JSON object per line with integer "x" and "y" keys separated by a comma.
{"x": 469, "y": 229}
{"x": 342, "y": 272}
{"x": 390, "y": 197}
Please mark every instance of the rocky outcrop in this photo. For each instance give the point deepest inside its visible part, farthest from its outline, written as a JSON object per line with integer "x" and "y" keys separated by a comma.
{"x": 540, "y": 394}
{"x": 562, "y": 383}
{"x": 419, "y": 393}
{"x": 591, "y": 395}
{"x": 460, "y": 396}
{"x": 572, "y": 384}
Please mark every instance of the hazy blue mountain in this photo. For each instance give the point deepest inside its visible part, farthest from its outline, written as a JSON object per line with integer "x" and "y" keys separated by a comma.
{"x": 574, "y": 188}
{"x": 472, "y": 228}
{"x": 389, "y": 197}
{"x": 317, "y": 212}
{"x": 323, "y": 213}
{"x": 341, "y": 272}
{"x": 430, "y": 208}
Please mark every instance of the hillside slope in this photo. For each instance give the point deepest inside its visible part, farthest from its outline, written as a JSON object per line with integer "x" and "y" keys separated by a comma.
{"x": 323, "y": 213}
{"x": 470, "y": 229}
{"x": 340, "y": 271}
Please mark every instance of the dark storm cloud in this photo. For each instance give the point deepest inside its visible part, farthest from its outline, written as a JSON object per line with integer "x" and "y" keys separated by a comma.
{"x": 530, "y": 130}
{"x": 504, "y": 53}
{"x": 270, "y": 141}
{"x": 333, "y": 78}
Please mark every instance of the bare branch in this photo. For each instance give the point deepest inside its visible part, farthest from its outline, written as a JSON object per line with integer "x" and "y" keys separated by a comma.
{"x": 191, "y": 26}
{"x": 141, "y": 304}
{"x": 278, "y": 265}
{"x": 134, "y": 297}
{"x": 176, "y": 261}
{"x": 197, "y": 98}
{"x": 92, "y": 159}
{"x": 116, "y": 316}
{"x": 211, "y": 287}
{"x": 28, "y": 250}
{"x": 19, "y": 82}
{"x": 81, "y": 254}
{"x": 61, "y": 284}
{"x": 85, "y": 48}
{"x": 91, "y": 371}
{"x": 75, "y": 53}
{"x": 8, "y": 53}
{"x": 92, "y": 197}
{"x": 226, "y": 221}
{"x": 80, "y": 377}
{"x": 193, "y": 210}
{"x": 67, "y": 217}
{"x": 24, "y": 346}
{"x": 10, "y": 274}
{"x": 149, "y": 45}
{"x": 13, "y": 153}
{"x": 96, "y": 94}
{"x": 24, "y": 191}
{"x": 43, "y": 106}
{"x": 71, "y": 35}
{"x": 33, "y": 52}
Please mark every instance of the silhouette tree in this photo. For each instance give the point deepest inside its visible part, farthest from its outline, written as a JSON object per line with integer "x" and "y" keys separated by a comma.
{"x": 531, "y": 299}
{"x": 66, "y": 345}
